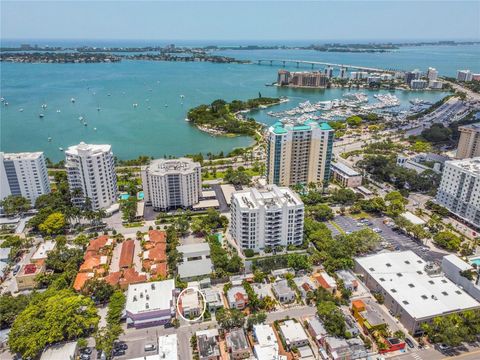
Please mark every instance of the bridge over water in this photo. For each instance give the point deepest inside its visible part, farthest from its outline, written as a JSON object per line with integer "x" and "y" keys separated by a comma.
{"x": 313, "y": 63}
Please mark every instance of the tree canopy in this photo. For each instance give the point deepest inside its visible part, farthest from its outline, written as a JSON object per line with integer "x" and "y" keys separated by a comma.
{"x": 14, "y": 205}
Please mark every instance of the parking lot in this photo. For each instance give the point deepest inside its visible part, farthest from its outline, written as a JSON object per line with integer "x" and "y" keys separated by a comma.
{"x": 397, "y": 240}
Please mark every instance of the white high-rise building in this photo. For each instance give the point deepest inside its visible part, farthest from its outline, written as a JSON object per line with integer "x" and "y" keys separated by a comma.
{"x": 263, "y": 218}
{"x": 459, "y": 189}
{"x": 91, "y": 174}
{"x": 299, "y": 153}
{"x": 432, "y": 74}
{"x": 172, "y": 183}
{"x": 464, "y": 75}
{"x": 23, "y": 174}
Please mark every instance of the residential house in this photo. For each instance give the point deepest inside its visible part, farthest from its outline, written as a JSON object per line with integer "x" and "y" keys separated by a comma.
{"x": 207, "y": 344}
{"x": 237, "y": 298}
{"x": 349, "y": 280}
{"x": 213, "y": 299}
{"x": 316, "y": 330}
{"x": 126, "y": 254}
{"x": 305, "y": 285}
{"x": 368, "y": 317}
{"x": 237, "y": 345}
{"x": 189, "y": 304}
{"x": 293, "y": 334}
{"x": 261, "y": 290}
{"x": 42, "y": 251}
{"x": 283, "y": 292}
{"x": 26, "y": 277}
{"x": 325, "y": 281}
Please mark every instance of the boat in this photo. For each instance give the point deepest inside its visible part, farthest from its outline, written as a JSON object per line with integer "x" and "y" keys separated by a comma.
{"x": 85, "y": 124}
{"x": 182, "y": 96}
{"x": 72, "y": 100}
{"x": 41, "y": 116}
{"x": 44, "y": 106}
{"x": 109, "y": 94}
{"x": 166, "y": 105}
{"x": 98, "y": 109}
{"x": 94, "y": 129}
{"x": 49, "y": 139}
{"x": 20, "y": 110}
{"x": 58, "y": 110}
{"x": 80, "y": 118}
{"x": 60, "y": 148}
{"x": 135, "y": 105}
{"x": 2, "y": 99}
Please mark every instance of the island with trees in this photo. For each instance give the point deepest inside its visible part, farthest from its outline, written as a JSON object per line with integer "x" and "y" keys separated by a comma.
{"x": 222, "y": 118}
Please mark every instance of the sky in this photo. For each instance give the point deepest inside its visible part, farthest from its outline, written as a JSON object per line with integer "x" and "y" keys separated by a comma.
{"x": 240, "y": 20}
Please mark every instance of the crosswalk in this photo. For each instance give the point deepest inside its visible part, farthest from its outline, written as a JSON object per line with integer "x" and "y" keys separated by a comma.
{"x": 416, "y": 356}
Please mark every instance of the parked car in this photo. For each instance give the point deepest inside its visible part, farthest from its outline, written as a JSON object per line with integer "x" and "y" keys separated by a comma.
{"x": 409, "y": 343}
{"x": 120, "y": 345}
{"x": 84, "y": 357}
{"x": 150, "y": 347}
{"x": 86, "y": 350}
{"x": 16, "y": 269}
{"x": 118, "y": 352}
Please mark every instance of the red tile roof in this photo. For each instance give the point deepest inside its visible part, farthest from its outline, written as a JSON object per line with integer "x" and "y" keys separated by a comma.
{"x": 159, "y": 269}
{"x": 321, "y": 281}
{"x": 157, "y": 236}
{"x": 113, "y": 278}
{"x": 91, "y": 262}
{"x": 80, "y": 280}
{"x": 131, "y": 276}
{"x": 158, "y": 253}
{"x": 239, "y": 296}
{"x": 98, "y": 243}
{"x": 126, "y": 255}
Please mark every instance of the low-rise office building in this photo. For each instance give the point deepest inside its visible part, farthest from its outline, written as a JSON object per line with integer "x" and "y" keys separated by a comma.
{"x": 150, "y": 304}
{"x": 266, "y": 218}
{"x": 172, "y": 183}
{"x": 410, "y": 293}
{"x": 458, "y": 271}
{"x": 345, "y": 175}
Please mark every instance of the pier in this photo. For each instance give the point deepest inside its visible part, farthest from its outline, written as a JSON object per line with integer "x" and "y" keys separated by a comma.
{"x": 313, "y": 63}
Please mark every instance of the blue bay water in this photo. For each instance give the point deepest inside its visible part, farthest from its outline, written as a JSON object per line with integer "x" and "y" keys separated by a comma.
{"x": 162, "y": 130}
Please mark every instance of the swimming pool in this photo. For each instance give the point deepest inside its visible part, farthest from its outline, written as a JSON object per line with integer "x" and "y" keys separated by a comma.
{"x": 124, "y": 196}
{"x": 475, "y": 261}
{"x": 140, "y": 195}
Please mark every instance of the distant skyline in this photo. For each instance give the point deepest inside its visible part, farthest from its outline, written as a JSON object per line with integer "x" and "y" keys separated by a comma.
{"x": 315, "y": 21}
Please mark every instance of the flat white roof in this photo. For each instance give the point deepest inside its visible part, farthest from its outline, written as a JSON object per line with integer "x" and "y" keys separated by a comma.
{"x": 194, "y": 249}
{"x": 189, "y": 269}
{"x": 402, "y": 275}
{"x": 292, "y": 331}
{"x": 210, "y": 203}
{"x": 414, "y": 219}
{"x": 228, "y": 190}
{"x": 88, "y": 148}
{"x": 348, "y": 171}
{"x": 208, "y": 193}
{"x": 65, "y": 351}
{"x": 23, "y": 156}
{"x": 459, "y": 263}
{"x": 172, "y": 166}
{"x": 43, "y": 250}
{"x": 167, "y": 349}
{"x": 272, "y": 197}
{"x": 151, "y": 296}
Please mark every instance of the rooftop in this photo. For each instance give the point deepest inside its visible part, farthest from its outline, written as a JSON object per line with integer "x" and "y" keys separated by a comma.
{"x": 273, "y": 197}
{"x": 344, "y": 169}
{"x": 151, "y": 296}
{"x": 298, "y": 125}
{"x": 65, "y": 351}
{"x": 126, "y": 254}
{"x": 234, "y": 293}
{"x": 87, "y": 148}
{"x": 195, "y": 268}
{"x": 471, "y": 165}
{"x": 281, "y": 287}
{"x": 43, "y": 250}
{"x": 194, "y": 249}
{"x": 293, "y": 331}
{"x": 172, "y": 166}
{"x": 23, "y": 156}
{"x": 403, "y": 276}
{"x": 208, "y": 343}
{"x": 236, "y": 340}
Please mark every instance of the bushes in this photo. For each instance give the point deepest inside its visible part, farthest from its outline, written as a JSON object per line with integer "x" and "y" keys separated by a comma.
{"x": 447, "y": 240}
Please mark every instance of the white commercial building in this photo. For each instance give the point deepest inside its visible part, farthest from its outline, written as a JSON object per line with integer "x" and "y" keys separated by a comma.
{"x": 464, "y": 75}
{"x": 261, "y": 218}
{"x": 435, "y": 84}
{"x": 23, "y": 174}
{"x": 172, "y": 183}
{"x": 294, "y": 334}
{"x": 91, "y": 173}
{"x": 432, "y": 74}
{"x": 459, "y": 190}
{"x": 345, "y": 175}
{"x": 456, "y": 270}
{"x": 418, "y": 84}
{"x": 196, "y": 261}
{"x": 299, "y": 153}
{"x": 267, "y": 346}
{"x": 150, "y": 304}
{"x": 410, "y": 292}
